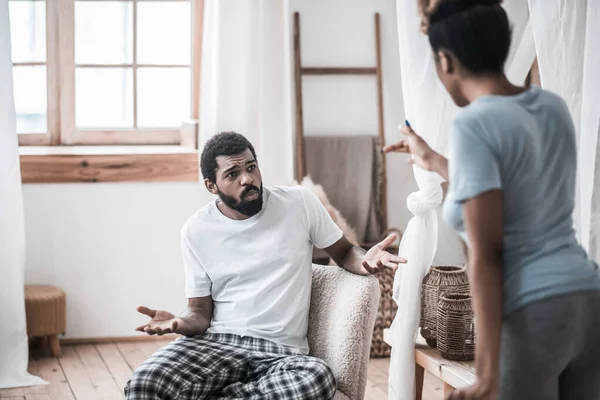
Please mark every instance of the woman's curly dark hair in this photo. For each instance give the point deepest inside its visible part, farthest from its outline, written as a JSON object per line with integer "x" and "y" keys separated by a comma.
{"x": 476, "y": 32}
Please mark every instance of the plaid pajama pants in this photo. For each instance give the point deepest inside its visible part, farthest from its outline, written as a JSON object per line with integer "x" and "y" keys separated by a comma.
{"x": 226, "y": 366}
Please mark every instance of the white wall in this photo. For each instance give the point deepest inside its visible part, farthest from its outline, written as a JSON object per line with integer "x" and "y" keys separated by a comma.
{"x": 112, "y": 247}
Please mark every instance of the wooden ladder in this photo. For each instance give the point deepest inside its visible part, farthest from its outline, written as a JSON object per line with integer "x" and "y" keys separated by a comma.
{"x": 300, "y": 71}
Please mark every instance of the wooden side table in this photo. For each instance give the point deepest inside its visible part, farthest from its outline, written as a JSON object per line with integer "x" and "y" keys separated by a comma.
{"x": 454, "y": 374}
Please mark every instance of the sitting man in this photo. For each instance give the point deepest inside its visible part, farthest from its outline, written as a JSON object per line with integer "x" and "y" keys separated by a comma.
{"x": 247, "y": 259}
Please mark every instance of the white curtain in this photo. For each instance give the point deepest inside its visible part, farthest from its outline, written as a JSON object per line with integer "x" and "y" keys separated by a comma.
{"x": 247, "y": 79}
{"x": 558, "y": 28}
{"x": 430, "y": 111}
{"x": 522, "y": 50}
{"x": 13, "y": 334}
{"x": 566, "y": 34}
{"x": 589, "y": 159}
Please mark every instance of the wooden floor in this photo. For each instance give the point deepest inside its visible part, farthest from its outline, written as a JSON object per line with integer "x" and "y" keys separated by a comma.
{"x": 100, "y": 371}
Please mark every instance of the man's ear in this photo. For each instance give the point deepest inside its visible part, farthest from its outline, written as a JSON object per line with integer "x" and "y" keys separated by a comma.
{"x": 446, "y": 62}
{"x": 211, "y": 186}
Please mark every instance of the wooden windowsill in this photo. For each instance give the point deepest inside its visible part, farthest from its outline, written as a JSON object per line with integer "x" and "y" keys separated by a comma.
{"x": 64, "y": 164}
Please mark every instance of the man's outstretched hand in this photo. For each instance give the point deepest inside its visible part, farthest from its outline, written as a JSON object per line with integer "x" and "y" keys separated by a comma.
{"x": 377, "y": 258}
{"x": 161, "y": 322}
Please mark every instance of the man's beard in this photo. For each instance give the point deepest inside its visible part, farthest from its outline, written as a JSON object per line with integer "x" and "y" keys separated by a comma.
{"x": 244, "y": 207}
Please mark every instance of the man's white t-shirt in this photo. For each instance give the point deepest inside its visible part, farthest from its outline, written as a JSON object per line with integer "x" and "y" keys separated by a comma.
{"x": 258, "y": 270}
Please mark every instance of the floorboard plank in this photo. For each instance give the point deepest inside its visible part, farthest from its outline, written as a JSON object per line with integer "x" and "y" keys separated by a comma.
{"x": 133, "y": 355}
{"x": 374, "y": 391}
{"x": 76, "y": 375}
{"x": 116, "y": 364}
{"x": 51, "y": 371}
{"x": 382, "y": 364}
{"x": 377, "y": 376}
{"x": 98, "y": 373}
{"x": 432, "y": 388}
{"x": 42, "y": 396}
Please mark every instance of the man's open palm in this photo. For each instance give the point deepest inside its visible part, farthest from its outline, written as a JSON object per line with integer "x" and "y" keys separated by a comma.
{"x": 161, "y": 322}
{"x": 377, "y": 258}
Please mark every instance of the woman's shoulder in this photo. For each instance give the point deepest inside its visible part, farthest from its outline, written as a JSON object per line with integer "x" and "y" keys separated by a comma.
{"x": 554, "y": 102}
{"x": 502, "y": 106}
{"x": 508, "y": 111}
{"x": 484, "y": 122}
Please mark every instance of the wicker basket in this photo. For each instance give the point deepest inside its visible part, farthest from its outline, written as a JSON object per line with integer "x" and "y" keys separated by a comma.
{"x": 385, "y": 314}
{"x": 439, "y": 280}
{"x": 455, "y": 327}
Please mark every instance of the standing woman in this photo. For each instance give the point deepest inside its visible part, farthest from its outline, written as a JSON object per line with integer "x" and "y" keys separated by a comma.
{"x": 511, "y": 173}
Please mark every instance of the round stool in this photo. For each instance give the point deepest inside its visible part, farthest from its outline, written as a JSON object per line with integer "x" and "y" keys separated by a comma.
{"x": 45, "y": 308}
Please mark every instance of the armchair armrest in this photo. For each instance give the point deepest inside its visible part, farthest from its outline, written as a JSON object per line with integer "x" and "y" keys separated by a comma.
{"x": 342, "y": 316}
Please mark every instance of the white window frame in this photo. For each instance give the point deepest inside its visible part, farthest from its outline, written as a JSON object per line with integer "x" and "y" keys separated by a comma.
{"x": 60, "y": 62}
{"x": 53, "y": 122}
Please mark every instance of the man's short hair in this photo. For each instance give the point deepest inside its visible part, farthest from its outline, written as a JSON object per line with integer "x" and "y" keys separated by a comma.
{"x": 222, "y": 144}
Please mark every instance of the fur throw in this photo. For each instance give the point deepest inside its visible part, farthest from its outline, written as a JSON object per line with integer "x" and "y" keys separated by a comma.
{"x": 333, "y": 212}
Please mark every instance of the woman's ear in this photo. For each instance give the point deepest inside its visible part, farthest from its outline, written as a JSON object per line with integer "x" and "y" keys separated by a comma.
{"x": 446, "y": 62}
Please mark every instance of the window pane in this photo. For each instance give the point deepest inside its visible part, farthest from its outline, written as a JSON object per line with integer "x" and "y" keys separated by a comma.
{"x": 28, "y": 30}
{"x": 163, "y": 97}
{"x": 164, "y": 33}
{"x": 29, "y": 85}
{"x": 103, "y": 32}
{"x": 104, "y": 97}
